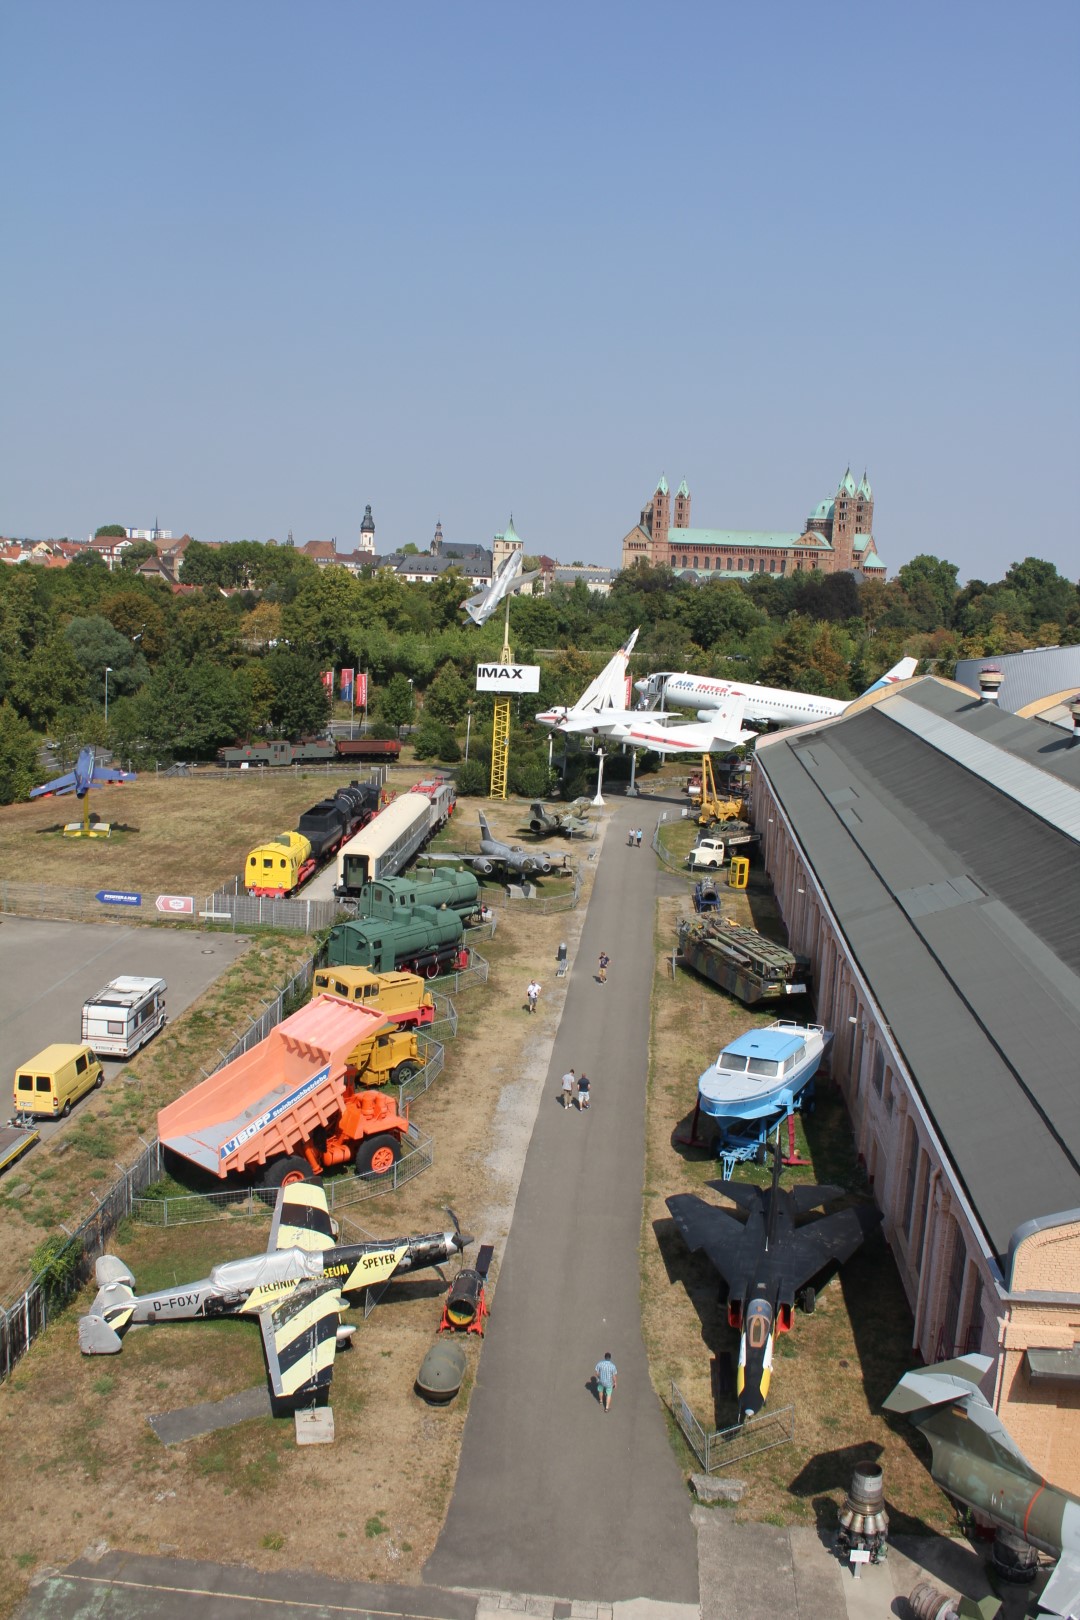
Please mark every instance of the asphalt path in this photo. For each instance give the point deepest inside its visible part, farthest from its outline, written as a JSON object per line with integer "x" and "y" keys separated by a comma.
{"x": 48, "y": 969}
{"x": 552, "y": 1495}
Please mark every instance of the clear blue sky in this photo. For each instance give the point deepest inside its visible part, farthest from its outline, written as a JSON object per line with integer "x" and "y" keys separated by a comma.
{"x": 265, "y": 263}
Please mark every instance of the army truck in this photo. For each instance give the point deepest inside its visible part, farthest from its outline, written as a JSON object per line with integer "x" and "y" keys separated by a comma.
{"x": 399, "y": 996}
{"x": 742, "y": 961}
{"x": 292, "y": 1107}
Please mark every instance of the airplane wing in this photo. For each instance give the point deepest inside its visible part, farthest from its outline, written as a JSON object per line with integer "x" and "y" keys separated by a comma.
{"x": 107, "y": 773}
{"x": 828, "y": 1241}
{"x": 301, "y": 1219}
{"x": 1061, "y": 1594}
{"x": 807, "y": 1198}
{"x": 60, "y": 784}
{"x": 729, "y": 1244}
{"x": 300, "y": 1338}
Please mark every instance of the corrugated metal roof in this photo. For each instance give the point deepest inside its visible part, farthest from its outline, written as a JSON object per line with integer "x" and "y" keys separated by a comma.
{"x": 1037, "y": 673}
{"x": 982, "y": 992}
{"x": 1048, "y": 797}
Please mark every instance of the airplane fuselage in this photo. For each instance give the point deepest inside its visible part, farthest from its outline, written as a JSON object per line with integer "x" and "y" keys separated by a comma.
{"x": 764, "y": 705}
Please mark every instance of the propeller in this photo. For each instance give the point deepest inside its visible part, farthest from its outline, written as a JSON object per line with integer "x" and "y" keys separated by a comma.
{"x": 461, "y": 1239}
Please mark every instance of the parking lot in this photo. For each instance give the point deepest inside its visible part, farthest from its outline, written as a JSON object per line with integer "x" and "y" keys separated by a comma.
{"x": 48, "y": 969}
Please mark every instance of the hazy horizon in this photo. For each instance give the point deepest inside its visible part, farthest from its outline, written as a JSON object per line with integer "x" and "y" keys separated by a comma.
{"x": 269, "y": 264}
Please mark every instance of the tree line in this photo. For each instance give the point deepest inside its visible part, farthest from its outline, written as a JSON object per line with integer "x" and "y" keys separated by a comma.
{"x": 242, "y": 655}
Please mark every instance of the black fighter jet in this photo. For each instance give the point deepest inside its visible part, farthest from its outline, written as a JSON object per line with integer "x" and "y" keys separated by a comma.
{"x": 767, "y": 1261}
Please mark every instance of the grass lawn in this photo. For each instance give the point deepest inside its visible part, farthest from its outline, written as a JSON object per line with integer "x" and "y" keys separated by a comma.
{"x": 837, "y": 1365}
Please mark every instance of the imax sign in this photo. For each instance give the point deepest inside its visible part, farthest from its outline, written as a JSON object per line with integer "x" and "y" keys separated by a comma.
{"x": 508, "y": 678}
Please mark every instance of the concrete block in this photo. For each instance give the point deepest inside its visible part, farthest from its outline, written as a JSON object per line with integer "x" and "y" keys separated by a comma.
{"x": 711, "y": 1488}
{"x": 315, "y": 1428}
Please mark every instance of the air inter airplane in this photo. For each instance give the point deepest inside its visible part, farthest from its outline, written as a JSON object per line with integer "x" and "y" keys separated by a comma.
{"x": 763, "y": 704}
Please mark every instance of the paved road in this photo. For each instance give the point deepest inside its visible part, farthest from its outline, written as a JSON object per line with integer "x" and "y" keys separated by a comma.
{"x": 48, "y": 969}
{"x": 553, "y": 1496}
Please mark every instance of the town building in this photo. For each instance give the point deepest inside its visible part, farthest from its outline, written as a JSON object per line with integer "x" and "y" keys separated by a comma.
{"x": 923, "y": 848}
{"x": 836, "y": 537}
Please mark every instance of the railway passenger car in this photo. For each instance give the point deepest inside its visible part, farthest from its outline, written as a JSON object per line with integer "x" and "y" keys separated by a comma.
{"x": 388, "y": 843}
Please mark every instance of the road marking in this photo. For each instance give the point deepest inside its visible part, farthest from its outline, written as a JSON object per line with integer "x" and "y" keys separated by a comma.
{"x": 243, "y": 1597}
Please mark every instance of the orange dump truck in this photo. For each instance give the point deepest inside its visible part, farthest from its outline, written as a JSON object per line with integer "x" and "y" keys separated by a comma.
{"x": 290, "y": 1107}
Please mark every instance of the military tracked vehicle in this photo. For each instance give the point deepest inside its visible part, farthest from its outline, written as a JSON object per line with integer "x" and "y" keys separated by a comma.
{"x": 742, "y": 961}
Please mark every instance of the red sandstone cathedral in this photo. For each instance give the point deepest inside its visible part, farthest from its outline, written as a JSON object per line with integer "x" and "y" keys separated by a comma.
{"x": 837, "y": 536}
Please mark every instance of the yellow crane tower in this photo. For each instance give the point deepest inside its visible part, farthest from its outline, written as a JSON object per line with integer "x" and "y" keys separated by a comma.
{"x": 500, "y": 726}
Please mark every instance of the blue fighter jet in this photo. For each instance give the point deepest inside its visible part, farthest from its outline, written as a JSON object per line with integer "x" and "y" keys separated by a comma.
{"x": 87, "y": 774}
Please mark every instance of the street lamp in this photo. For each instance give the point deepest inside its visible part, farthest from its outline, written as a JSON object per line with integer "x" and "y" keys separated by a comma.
{"x": 108, "y": 672}
{"x": 468, "y": 729}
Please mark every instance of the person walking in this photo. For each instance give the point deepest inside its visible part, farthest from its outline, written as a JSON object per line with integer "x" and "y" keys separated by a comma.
{"x": 568, "y": 1090}
{"x": 532, "y": 993}
{"x": 638, "y": 836}
{"x": 630, "y": 838}
{"x": 583, "y": 1087}
{"x": 607, "y": 1376}
{"x": 603, "y": 967}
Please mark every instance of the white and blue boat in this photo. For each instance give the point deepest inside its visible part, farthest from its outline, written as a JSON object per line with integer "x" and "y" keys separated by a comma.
{"x": 763, "y": 1072}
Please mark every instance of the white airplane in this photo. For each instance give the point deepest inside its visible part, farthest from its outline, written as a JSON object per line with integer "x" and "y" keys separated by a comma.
{"x": 603, "y": 702}
{"x": 721, "y": 732}
{"x": 761, "y": 703}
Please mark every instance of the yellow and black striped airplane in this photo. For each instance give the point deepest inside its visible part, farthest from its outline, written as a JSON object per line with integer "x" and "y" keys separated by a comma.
{"x": 297, "y": 1289}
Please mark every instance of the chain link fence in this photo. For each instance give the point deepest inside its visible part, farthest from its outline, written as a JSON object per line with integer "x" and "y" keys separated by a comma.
{"x": 342, "y": 1191}
{"x": 720, "y": 1448}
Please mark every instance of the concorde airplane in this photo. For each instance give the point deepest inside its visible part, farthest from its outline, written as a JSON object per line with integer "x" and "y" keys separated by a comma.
{"x": 603, "y": 702}
{"x": 763, "y": 704}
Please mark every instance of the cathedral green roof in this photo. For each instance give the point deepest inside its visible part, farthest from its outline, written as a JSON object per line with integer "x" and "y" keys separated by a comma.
{"x": 873, "y": 561}
{"x": 684, "y": 488}
{"x": 662, "y": 486}
{"x": 687, "y": 539}
{"x": 861, "y": 542}
{"x": 847, "y": 484}
{"x": 824, "y": 509}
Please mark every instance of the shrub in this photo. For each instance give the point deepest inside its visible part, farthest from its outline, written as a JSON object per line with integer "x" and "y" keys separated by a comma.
{"x": 472, "y": 779}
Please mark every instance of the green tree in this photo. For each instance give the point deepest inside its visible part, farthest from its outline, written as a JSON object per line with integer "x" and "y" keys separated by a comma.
{"x": 300, "y": 702}
{"x": 938, "y": 578}
{"x": 434, "y": 740}
{"x": 447, "y": 698}
{"x": 110, "y": 531}
{"x": 472, "y": 779}
{"x": 50, "y": 680}
{"x": 190, "y": 709}
{"x": 397, "y": 703}
{"x": 97, "y": 645}
{"x": 135, "y": 555}
{"x": 1048, "y": 596}
{"x": 18, "y": 756}
{"x": 89, "y": 559}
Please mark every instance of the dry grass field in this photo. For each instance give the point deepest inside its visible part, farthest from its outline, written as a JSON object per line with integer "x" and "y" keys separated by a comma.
{"x": 836, "y": 1365}
{"x": 174, "y": 835}
{"x": 378, "y": 1496}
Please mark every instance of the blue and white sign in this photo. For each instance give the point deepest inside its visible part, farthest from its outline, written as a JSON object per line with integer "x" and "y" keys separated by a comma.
{"x": 118, "y": 897}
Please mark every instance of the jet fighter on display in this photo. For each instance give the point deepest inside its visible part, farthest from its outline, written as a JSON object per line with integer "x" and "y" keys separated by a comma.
{"x": 765, "y": 705}
{"x": 574, "y": 819}
{"x": 512, "y": 858}
{"x": 767, "y": 1261}
{"x": 87, "y": 774}
{"x": 296, "y": 1289}
{"x": 604, "y": 702}
{"x": 976, "y": 1459}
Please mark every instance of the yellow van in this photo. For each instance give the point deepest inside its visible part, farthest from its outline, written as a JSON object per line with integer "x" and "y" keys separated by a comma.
{"x": 55, "y": 1079}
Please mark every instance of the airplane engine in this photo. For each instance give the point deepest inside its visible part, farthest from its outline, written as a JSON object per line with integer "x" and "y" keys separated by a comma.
{"x": 486, "y": 867}
{"x": 463, "y": 1301}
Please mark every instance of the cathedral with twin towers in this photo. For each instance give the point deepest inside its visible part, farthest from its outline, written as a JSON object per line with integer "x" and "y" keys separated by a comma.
{"x": 837, "y": 537}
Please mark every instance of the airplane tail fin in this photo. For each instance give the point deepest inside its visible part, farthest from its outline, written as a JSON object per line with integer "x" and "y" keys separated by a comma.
{"x": 934, "y": 1398}
{"x": 608, "y": 690}
{"x": 485, "y": 830}
{"x": 109, "y": 1315}
{"x": 726, "y": 723}
{"x": 903, "y": 671}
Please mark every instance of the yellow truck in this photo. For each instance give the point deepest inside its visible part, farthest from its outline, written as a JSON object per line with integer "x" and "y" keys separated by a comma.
{"x": 387, "y": 1057}
{"x": 400, "y": 996}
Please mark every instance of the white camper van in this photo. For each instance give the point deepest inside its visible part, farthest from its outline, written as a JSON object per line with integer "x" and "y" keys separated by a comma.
{"x": 124, "y": 1016}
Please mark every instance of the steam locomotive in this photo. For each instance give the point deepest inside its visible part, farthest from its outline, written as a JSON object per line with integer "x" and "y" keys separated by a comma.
{"x": 282, "y": 864}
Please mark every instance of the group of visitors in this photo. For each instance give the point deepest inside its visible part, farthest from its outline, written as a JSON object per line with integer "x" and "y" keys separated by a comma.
{"x": 633, "y": 837}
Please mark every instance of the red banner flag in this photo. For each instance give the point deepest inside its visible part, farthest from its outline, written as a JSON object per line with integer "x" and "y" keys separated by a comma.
{"x": 347, "y": 684}
{"x": 328, "y": 680}
{"x": 360, "y": 700}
